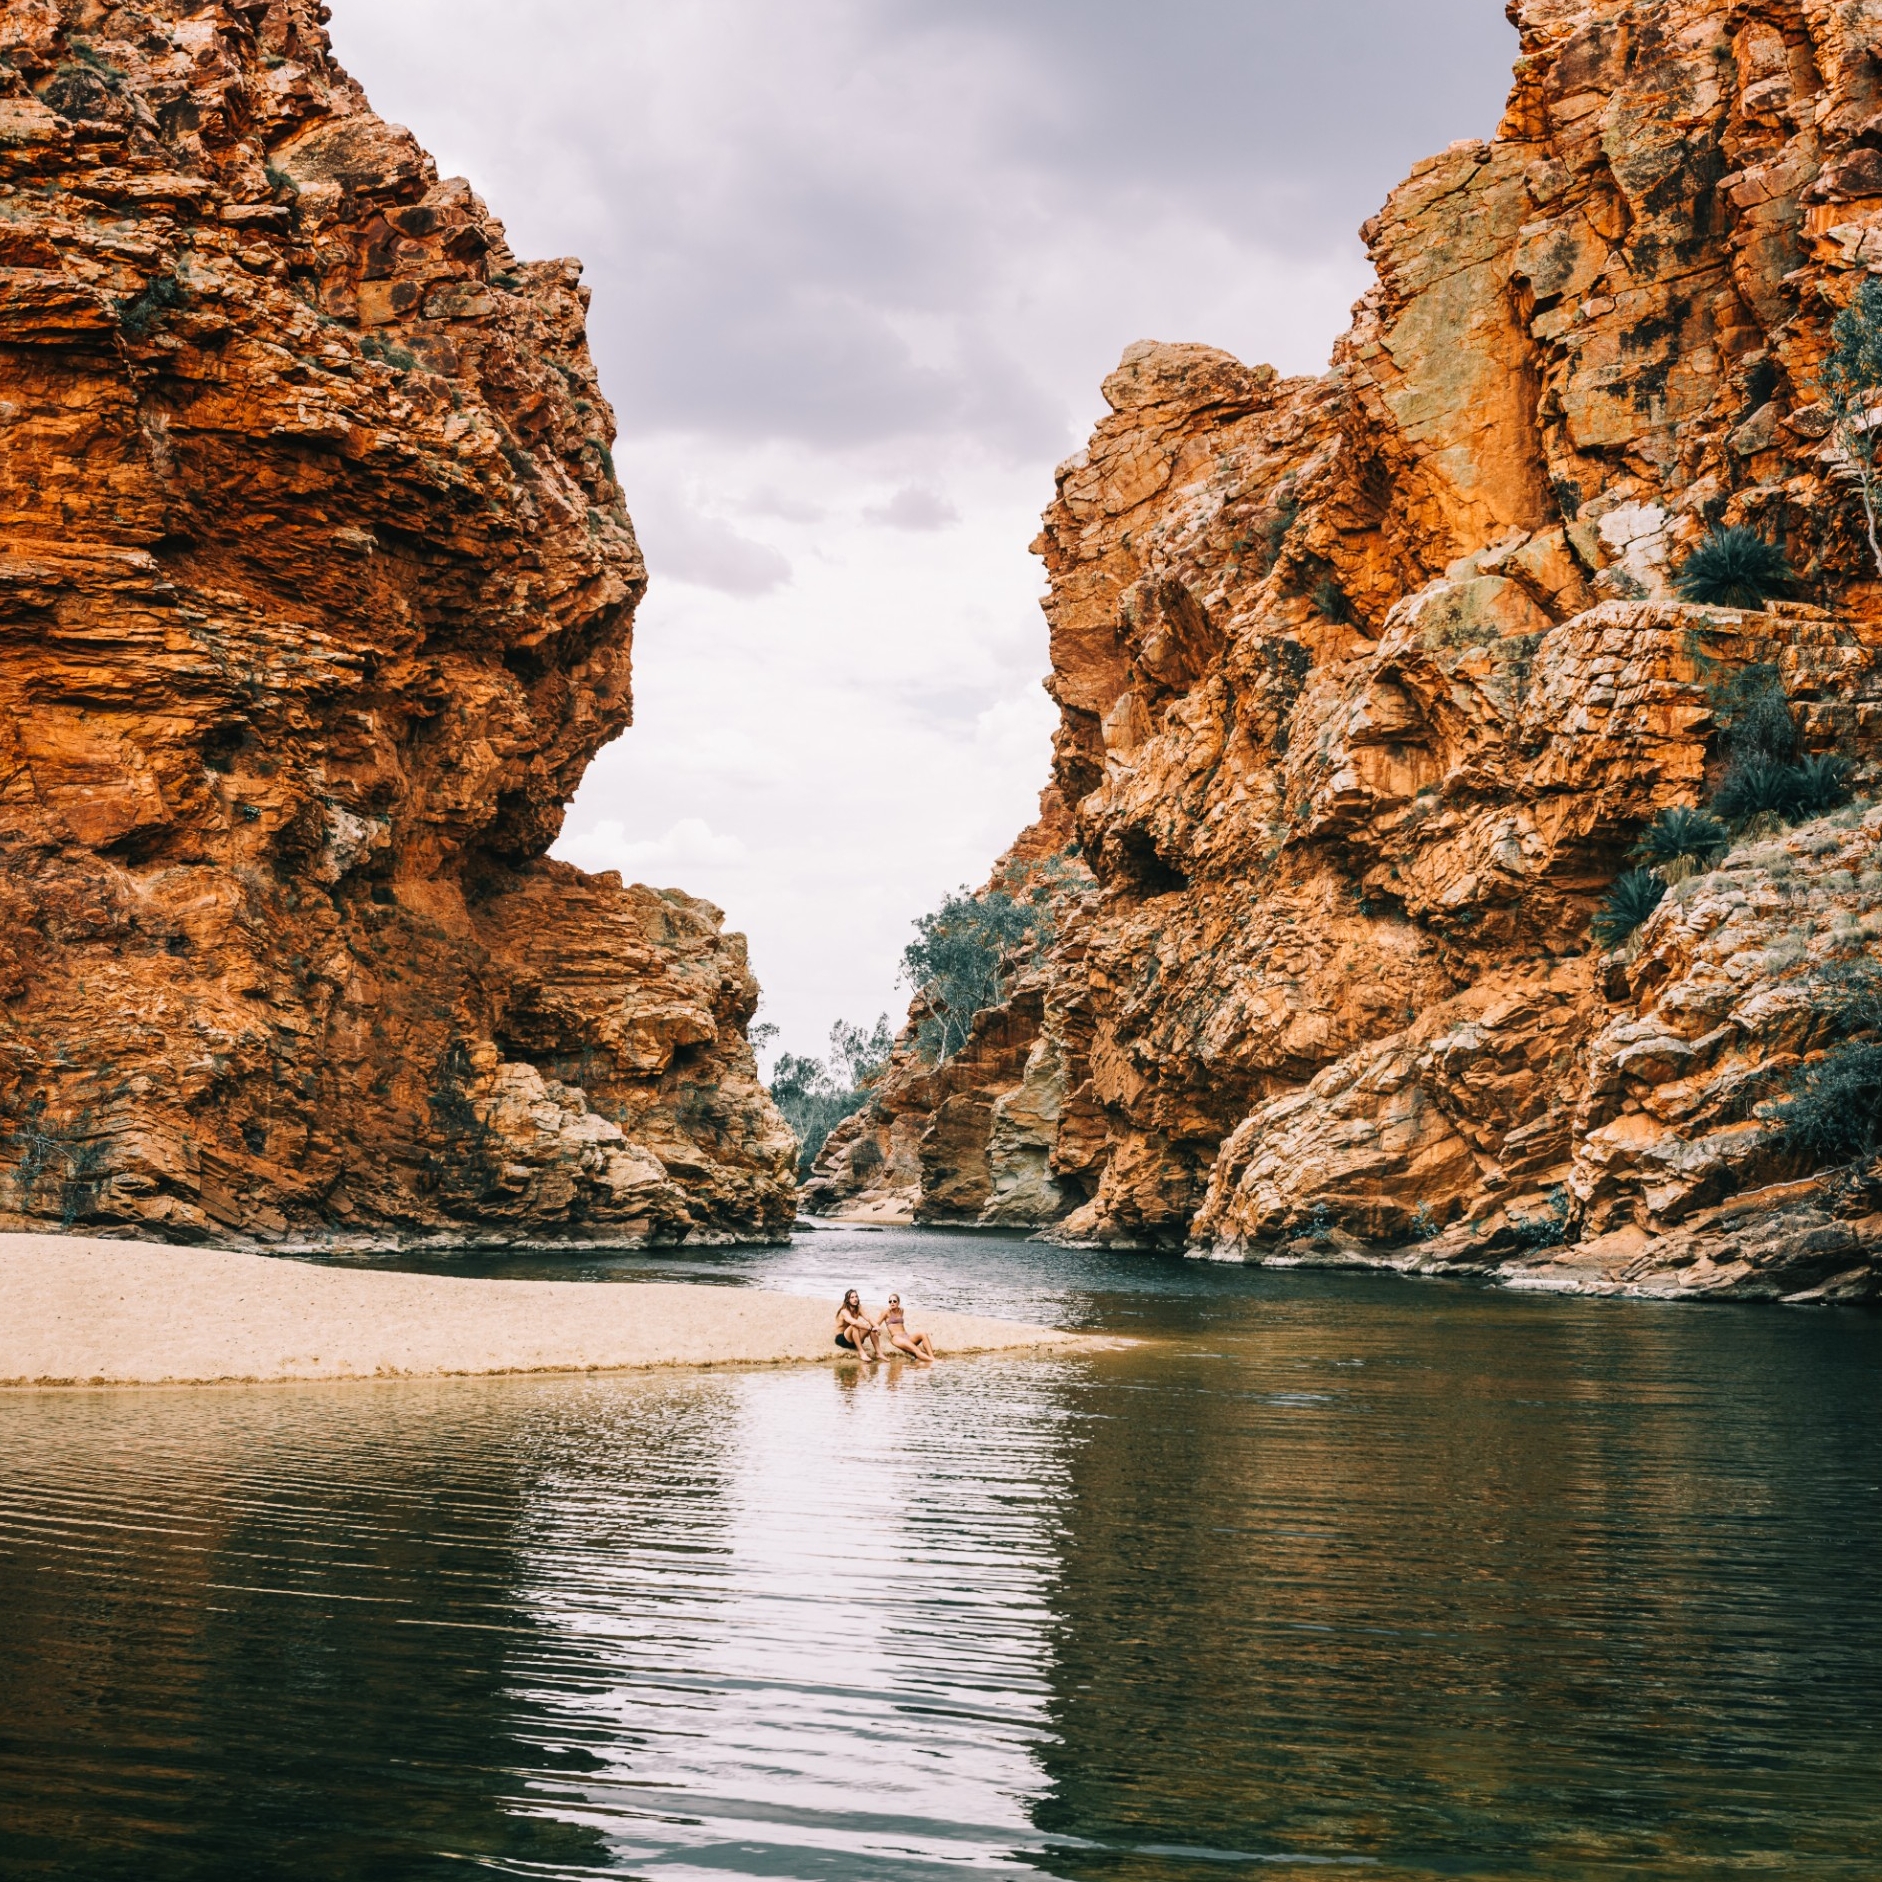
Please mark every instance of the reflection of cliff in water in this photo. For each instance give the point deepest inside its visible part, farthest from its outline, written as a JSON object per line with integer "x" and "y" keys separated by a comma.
{"x": 1478, "y": 1578}
{"x": 269, "y": 1632}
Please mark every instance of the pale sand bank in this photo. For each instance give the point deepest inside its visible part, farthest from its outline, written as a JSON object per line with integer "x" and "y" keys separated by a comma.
{"x": 76, "y": 1311}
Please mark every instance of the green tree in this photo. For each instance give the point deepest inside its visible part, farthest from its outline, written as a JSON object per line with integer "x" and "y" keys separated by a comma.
{"x": 860, "y": 1054}
{"x": 963, "y": 956}
{"x": 816, "y": 1095}
{"x": 1851, "y": 384}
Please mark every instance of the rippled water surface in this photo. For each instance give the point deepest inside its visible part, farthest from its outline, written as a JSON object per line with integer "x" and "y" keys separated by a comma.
{"x": 1329, "y": 1573}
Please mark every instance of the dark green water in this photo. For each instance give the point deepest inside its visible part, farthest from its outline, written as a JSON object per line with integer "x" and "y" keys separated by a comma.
{"x": 1331, "y": 1573}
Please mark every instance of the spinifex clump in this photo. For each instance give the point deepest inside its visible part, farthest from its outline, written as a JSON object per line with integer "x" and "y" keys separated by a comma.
{"x": 1734, "y": 568}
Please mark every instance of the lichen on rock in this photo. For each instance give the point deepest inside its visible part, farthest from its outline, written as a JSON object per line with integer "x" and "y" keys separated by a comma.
{"x": 316, "y": 594}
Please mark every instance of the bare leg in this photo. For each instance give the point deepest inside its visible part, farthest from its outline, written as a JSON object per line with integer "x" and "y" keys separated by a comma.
{"x": 914, "y": 1345}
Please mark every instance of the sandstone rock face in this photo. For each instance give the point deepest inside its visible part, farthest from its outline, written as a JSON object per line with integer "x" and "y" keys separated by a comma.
{"x": 1368, "y": 682}
{"x": 316, "y": 590}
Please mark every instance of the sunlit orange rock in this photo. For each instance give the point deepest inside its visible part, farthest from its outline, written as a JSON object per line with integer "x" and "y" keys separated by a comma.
{"x": 316, "y": 591}
{"x": 1368, "y": 683}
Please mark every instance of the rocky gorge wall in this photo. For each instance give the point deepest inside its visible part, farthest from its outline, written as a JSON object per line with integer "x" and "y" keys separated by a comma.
{"x": 1367, "y": 684}
{"x": 316, "y": 599}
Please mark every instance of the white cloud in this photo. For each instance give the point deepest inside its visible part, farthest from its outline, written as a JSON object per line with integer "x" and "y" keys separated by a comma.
{"x": 688, "y": 545}
{"x": 662, "y": 861}
{"x": 859, "y": 267}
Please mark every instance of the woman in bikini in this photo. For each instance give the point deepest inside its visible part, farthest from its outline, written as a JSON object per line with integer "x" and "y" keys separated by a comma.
{"x": 915, "y": 1345}
{"x": 855, "y": 1331}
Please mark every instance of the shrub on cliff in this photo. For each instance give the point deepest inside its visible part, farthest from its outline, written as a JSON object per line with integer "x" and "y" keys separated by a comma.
{"x": 1681, "y": 840}
{"x": 1833, "y": 1109}
{"x": 1762, "y": 787}
{"x": 1822, "y": 784}
{"x": 1329, "y": 599}
{"x": 1632, "y": 899}
{"x": 138, "y": 315}
{"x": 1765, "y": 779}
{"x": 1754, "y": 715}
{"x": 1758, "y": 787}
{"x": 1734, "y": 568}
{"x": 1546, "y": 1229}
{"x": 963, "y": 957}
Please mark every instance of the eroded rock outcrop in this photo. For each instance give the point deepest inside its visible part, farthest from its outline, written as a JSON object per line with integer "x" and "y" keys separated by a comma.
{"x": 1368, "y": 683}
{"x": 316, "y": 592}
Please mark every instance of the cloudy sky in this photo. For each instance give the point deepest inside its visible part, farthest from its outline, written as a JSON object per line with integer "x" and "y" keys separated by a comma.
{"x": 858, "y": 269}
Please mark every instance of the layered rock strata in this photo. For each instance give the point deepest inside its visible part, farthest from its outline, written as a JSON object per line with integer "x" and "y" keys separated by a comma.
{"x": 1369, "y": 682}
{"x": 316, "y": 594}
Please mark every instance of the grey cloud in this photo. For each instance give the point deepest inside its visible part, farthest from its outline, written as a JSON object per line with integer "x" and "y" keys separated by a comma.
{"x": 783, "y": 358}
{"x": 785, "y": 507}
{"x": 915, "y": 507}
{"x": 1294, "y": 117}
{"x": 767, "y": 197}
{"x": 682, "y": 545}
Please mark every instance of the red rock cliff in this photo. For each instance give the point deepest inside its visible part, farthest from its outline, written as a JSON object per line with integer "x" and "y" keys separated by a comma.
{"x": 1368, "y": 682}
{"x": 316, "y": 590}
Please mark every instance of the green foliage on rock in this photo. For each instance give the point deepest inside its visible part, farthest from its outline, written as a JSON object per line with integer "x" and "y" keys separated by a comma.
{"x": 1682, "y": 835}
{"x": 1629, "y": 902}
{"x": 1329, "y": 599}
{"x": 1754, "y": 713}
{"x": 1794, "y": 792}
{"x": 1758, "y": 787}
{"x": 1833, "y": 1109}
{"x": 962, "y": 959}
{"x": 1850, "y": 380}
{"x": 138, "y": 315}
{"x": 1548, "y": 1228}
{"x": 1823, "y": 784}
{"x": 1765, "y": 778}
{"x": 1830, "y": 1110}
{"x": 1734, "y": 568}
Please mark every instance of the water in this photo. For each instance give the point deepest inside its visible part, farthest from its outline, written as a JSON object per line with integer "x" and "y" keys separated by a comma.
{"x": 1333, "y": 1574}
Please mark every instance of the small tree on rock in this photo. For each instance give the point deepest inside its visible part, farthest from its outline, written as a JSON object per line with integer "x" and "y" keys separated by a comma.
{"x": 964, "y": 955}
{"x": 1851, "y": 383}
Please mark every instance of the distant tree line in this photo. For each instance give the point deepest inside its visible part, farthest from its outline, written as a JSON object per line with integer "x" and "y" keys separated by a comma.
{"x": 816, "y": 1095}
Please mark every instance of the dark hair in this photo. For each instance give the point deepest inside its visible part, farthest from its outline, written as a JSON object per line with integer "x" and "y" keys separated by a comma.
{"x": 852, "y": 1295}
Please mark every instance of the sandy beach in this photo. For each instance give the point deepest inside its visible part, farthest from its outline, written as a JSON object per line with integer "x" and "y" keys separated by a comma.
{"x": 78, "y": 1311}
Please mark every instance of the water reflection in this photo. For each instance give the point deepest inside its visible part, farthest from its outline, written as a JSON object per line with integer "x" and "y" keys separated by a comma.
{"x": 1335, "y": 1572}
{"x": 839, "y": 1658}
{"x": 266, "y": 1628}
{"x": 1563, "y": 1595}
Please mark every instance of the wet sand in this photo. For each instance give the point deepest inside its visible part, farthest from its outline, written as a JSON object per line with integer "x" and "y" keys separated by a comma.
{"x": 78, "y": 1311}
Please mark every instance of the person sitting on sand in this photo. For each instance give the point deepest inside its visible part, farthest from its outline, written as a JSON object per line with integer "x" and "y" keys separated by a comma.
{"x": 854, "y": 1328}
{"x": 915, "y": 1345}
